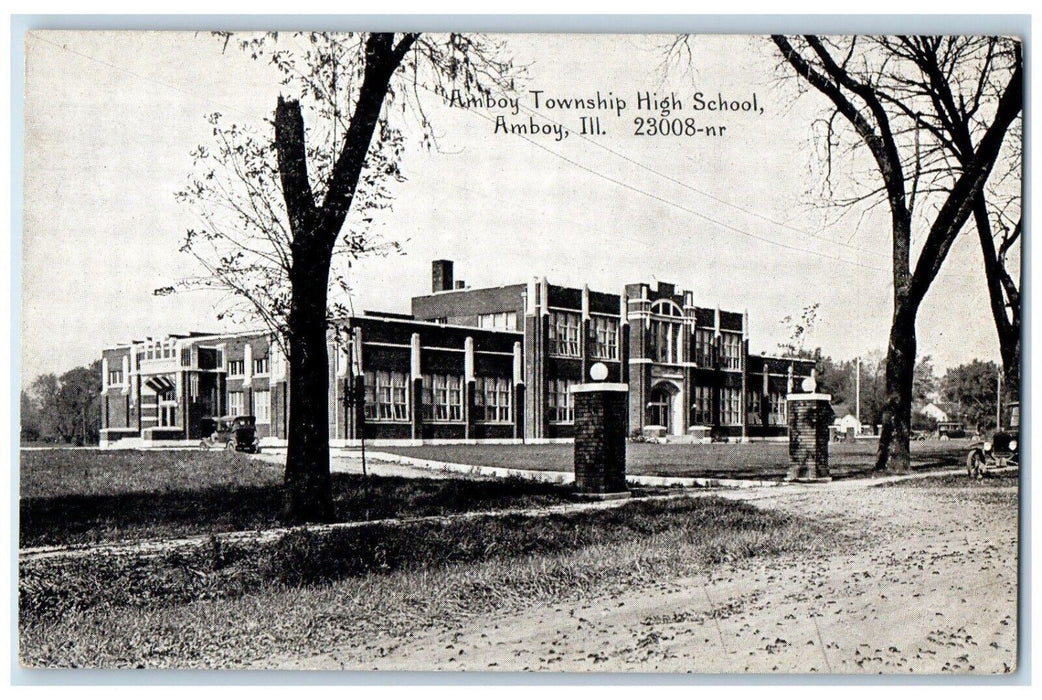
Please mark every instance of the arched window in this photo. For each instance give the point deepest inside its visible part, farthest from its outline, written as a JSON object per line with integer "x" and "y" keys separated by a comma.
{"x": 666, "y": 332}
{"x": 666, "y": 307}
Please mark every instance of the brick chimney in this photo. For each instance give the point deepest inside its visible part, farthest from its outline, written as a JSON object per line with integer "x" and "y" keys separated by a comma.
{"x": 441, "y": 275}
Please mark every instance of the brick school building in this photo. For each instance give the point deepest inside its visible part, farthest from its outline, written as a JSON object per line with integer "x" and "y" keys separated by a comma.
{"x": 492, "y": 364}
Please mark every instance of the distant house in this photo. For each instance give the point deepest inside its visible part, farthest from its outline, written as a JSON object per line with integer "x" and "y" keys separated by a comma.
{"x": 847, "y": 423}
{"x": 935, "y": 412}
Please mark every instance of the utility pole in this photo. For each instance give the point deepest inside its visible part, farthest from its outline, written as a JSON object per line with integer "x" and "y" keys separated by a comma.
{"x": 857, "y": 390}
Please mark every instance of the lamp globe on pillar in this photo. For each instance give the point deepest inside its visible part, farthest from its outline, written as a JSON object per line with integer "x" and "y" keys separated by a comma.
{"x": 601, "y": 412}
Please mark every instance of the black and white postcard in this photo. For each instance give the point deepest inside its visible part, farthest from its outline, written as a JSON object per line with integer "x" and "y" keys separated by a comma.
{"x": 654, "y": 353}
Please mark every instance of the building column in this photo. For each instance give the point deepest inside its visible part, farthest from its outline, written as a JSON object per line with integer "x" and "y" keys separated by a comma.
{"x": 519, "y": 393}
{"x": 247, "y": 379}
{"x": 182, "y": 402}
{"x": 416, "y": 384}
{"x": 624, "y": 338}
{"x": 745, "y": 383}
{"x": 469, "y": 381}
{"x": 585, "y": 326}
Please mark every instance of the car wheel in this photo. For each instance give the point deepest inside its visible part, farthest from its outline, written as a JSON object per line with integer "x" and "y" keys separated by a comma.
{"x": 203, "y": 445}
{"x": 229, "y": 446}
{"x": 974, "y": 462}
{"x": 944, "y": 438}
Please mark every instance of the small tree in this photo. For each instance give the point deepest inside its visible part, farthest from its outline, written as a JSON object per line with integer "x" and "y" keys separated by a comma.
{"x": 799, "y": 330}
{"x": 279, "y": 208}
{"x": 891, "y": 93}
{"x": 973, "y": 388}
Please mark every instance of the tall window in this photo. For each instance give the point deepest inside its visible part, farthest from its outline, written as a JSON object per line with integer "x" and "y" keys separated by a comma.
{"x": 115, "y": 376}
{"x": 559, "y": 400}
{"x": 731, "y": 350}
{"x": 262, "y": 405}
{"x": 504, "y": 319}
{"x": 777, "y": 415}
{"x": 386, "y": 396}
{"x": 492, "y": 399}
{"x": 442, "y": 397}
{"x": 236, "y": 368}
{"x": 703, "y": 347}
{"x": 666, "y": 340}
{"x": 605, "y": 338}
{"x": 236, "y": 403}
{"x": 564, "y": 333}
{"x": 730, "y": 406}
{"x": 261, "y": 365}
{"x": 701, "y": 406}
{"x": 752, "y": 406}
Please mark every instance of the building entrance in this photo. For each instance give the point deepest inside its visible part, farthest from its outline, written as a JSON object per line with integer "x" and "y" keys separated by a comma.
{"x": 664, "y": 408}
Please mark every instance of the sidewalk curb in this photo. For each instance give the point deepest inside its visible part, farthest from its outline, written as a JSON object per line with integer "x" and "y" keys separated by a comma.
{"x": 561, "y": 477}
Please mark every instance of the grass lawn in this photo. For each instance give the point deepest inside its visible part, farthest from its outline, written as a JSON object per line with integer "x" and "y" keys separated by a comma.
{"x": 311, "y": 591}
{"x": 82, "y": 496}
{"x": 754, "y": 460}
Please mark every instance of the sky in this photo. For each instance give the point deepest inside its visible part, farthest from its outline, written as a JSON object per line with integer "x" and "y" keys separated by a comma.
{"x": 112, "y": 117}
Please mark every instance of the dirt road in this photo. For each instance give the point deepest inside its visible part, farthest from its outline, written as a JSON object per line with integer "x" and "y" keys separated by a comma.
{"x": 934, "y": 591}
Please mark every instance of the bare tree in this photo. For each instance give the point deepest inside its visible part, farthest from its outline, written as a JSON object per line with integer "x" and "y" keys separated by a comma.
{"x": 893, "y": 97}
{"x": 999, "y": 222}
{"x": 278, "y": 210}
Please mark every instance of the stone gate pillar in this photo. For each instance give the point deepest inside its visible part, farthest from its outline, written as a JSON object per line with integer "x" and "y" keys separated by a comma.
{"x": 810, "y": 416}
{"x": 601, "y": 413}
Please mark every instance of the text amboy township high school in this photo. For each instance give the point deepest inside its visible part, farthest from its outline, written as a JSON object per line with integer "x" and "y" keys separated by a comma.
{"x": 468, "y": 364}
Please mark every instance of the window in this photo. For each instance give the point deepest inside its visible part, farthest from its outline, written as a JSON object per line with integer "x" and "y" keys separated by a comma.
{"x": 730, "y": 406}
{"x": 731, "y": 350}
{"x": 666, "y": 339}
{"x": 442, "y": 397}
{"x": 564, "y": 333}
{"x": 260, "y": 365}
{"x": 559, "y": 400}
{"x": 386, "y": 396}
{"x": 492, "y": 399}
{"x": 701, "y": 406}
{"x": 115, "y": 376}
{"x": 236, "y": 405}
{"x": 167, "y": 414}
{"x": 777, "y": 415}
{"x": 262, "y": 405}
{"x": 753, "y": 408}
{"x": 506, "y": 320}
{"x": 703, "y": 347}
{"x": 605, "y": 338}
{"x": 236, "y": 368}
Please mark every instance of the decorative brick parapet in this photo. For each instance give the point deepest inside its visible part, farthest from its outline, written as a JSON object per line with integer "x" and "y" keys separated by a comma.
{"x": 601, "y": 415}
{"x": 810, "y": 416}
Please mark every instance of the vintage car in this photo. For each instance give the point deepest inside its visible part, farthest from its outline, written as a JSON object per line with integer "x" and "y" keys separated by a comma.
{"x": 947, "y": 430}
{"x": 237, "y": 433}
{"x": 1000, "y": 449}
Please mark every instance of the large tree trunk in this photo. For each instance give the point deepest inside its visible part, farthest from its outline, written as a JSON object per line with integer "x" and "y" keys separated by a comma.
{"x": 894, "y": 450}
{"x": 308, "y": 489}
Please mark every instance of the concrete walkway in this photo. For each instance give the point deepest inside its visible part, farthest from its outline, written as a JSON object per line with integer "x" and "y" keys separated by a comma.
{"x": 389, "y": 464}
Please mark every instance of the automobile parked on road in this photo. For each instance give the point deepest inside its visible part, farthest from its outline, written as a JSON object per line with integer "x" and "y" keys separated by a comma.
{"x": 233, "y": 433}
{"x": 947, "y": 430}
{"x": 1000, "y": 449}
